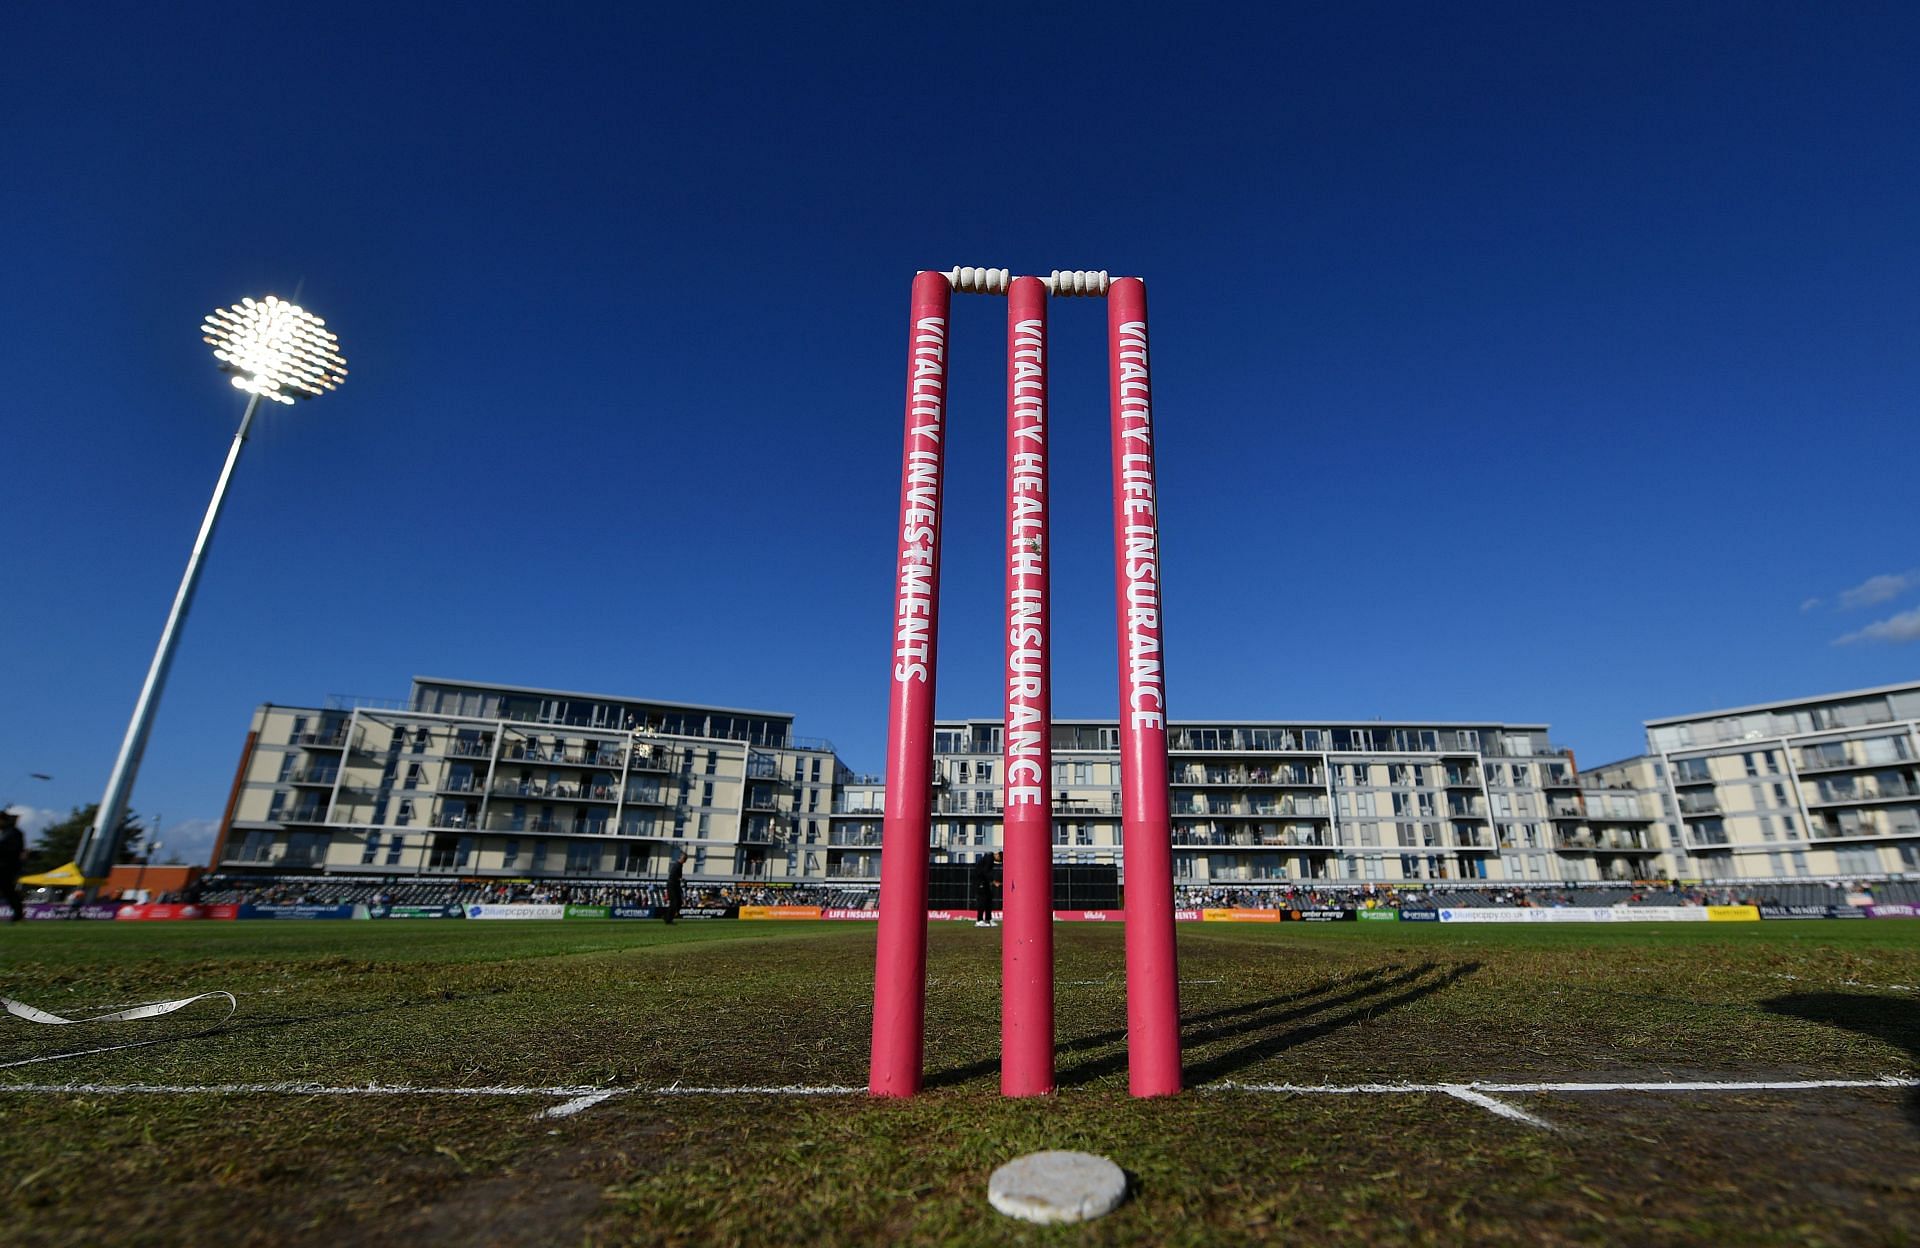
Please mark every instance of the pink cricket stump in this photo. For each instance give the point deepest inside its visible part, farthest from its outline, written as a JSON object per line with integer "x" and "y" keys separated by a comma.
{"x": 1153, "y": 1005}
{"x": 1026, "y": 950}
{"x": 900, "y": 961}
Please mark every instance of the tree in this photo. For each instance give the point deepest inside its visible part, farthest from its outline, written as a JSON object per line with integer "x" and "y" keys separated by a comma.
{"x": 58, "y": 844}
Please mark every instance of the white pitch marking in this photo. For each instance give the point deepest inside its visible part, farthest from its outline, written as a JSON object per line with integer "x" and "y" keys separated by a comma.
{"x": 1707, "y": 1085}
{"x": 575, "y": 1105}
{"x": 1461, "y": 1092}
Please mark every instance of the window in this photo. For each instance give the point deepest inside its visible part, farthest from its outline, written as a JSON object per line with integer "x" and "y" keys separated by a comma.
{"x": 394, "y": 848}
{"x": 405, "y": 816}
{"x": 413, "y": 776}
{"x": 1363, "y": 803}
{"x": 1753, "y": 769}
{"x": 1766, "y": 834}
{"x": 510, "y": 855}
{"x": 713, "y": 762}
{"x": 1780, "y": 795}
{"x": 371, "y": 850}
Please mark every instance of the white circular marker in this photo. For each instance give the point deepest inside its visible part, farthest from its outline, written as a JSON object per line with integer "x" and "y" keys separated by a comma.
{"x": 1057, "y": 1187}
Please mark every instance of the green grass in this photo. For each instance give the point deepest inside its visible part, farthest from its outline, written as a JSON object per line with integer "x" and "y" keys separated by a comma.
{"x": 641, "y": 1006}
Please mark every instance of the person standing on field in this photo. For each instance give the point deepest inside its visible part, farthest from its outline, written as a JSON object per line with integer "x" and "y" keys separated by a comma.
{"x": 13, "y": 855}
{"x": 983, "y": 889}
{"x": 676, "y": 890}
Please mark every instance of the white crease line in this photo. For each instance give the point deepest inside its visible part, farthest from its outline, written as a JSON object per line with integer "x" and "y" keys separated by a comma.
{"x": 1462, "y": 1092}
{"x": 1707, "y": 1085}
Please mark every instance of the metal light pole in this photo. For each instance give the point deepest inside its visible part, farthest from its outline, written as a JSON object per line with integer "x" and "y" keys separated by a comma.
{"x": 274, "y": 350}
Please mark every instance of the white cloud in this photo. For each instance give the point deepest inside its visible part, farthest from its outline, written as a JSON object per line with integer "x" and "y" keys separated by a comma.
{"x": 1896, "y": 629}
{"x": 1878, "y": 589}
{"x": 34, "y": 820}
{"x": 1809, "y": 604}
{"x": 189, "y": 840}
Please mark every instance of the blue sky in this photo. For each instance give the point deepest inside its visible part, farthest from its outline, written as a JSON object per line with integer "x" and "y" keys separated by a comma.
{"x": 1537, "y": 362}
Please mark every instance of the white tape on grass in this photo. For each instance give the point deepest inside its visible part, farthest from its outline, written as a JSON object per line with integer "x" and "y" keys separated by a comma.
{"x": 127, "y": 1014}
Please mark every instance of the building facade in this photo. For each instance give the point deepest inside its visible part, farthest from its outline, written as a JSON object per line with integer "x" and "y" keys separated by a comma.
{"x": 475, "y": 781}
{"x": 1257, "y": 802}
{"x": 1808, "y": 788}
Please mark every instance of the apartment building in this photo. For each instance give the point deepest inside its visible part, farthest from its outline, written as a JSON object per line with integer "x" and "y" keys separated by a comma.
{"x": 1812, "y": 787}
{"x": 483, "y": 780}
{"x": 1271, "y": 801}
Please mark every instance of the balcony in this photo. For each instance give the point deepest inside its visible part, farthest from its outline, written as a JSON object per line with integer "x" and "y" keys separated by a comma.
{"x": 651, "y": 795}
{"x": 465, "y": 784}
{"x": 1884, "y": 791}
{"x": 560, "y": 792}
{"x": 319, "y": 777}
{"x": 469, "y": 749}
{"x": 1472, "y": 838}
{"x": 609, "y": 759}
{"x": 1562, "y": 808}
{"x": 1462, "y": 779}
{"x": 1692, "y": 806}
{"x": 306, "y": 812}
{"x": 1579, "y": 842}
{"x": 333, "y": 740}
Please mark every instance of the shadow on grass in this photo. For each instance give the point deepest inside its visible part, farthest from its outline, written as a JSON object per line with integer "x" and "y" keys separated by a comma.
{"x": 1892, "y": 1020}
{"x": 981, "y": 1069}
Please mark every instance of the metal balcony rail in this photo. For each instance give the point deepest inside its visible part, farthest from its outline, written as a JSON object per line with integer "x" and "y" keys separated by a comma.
{"x": 573, "y": 792}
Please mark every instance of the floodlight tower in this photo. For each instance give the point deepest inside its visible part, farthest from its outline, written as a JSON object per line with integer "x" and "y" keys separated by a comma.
{"x": 274, "y": 350}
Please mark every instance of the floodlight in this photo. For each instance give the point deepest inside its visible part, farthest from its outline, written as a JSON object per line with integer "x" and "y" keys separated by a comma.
{"x": 274, "y": 350}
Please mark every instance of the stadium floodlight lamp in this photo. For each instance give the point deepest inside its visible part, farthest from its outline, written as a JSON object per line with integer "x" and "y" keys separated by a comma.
{"x": 273, "y": 349}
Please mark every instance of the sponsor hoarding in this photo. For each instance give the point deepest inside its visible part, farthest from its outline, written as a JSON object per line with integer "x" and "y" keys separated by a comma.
{"x": 1377, "y": 916}
{"x": 516, "y": 911}
{"x": 781, "y": 912}
{"x": 1892, "y": 910}
{"x": 633, "y": 912}
{"x": 588, "y": 912}
{"x": 1239, "y": 915}
{"x": 417, "y": 912}
{"x": 1733, "y": 914}
{"x": 60, "y": 910}
{"x": 302, "y": 911}
{"x": 153, "y": 911}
